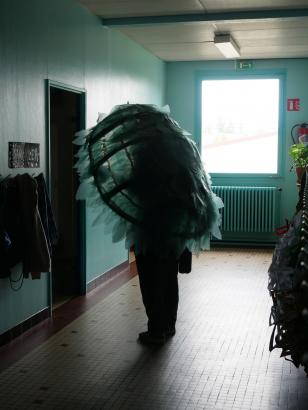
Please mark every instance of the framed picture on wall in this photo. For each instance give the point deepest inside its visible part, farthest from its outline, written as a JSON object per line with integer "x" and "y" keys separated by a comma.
{"x": 23, "y": 155}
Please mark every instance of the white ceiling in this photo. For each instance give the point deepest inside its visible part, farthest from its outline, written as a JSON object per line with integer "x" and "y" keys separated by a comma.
{"x": 257, "y": 35}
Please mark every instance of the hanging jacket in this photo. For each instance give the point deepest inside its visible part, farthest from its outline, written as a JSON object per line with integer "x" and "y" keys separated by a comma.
{"x": 5, "y": 241}
{"x": 46, "y": 213}
{"x": 11, "y": 220}
{"x": 5, "y": 244}
{"x": 23, "y": 225}
{"x": 36, "y": 256}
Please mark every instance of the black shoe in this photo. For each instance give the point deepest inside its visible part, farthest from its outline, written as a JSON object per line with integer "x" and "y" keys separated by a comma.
{"x": 148, "y": 338}
{"x": 170, "y": 332}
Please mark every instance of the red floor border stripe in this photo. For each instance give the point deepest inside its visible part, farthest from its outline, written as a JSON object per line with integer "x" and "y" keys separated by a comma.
{"x": 64, "y": 315}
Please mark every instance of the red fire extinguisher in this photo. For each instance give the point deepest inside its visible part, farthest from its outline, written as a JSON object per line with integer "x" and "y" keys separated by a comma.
{"x": 302, "y": 133}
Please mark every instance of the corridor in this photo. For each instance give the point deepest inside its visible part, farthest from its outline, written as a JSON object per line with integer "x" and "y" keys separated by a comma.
{"x": 218, "y": 359}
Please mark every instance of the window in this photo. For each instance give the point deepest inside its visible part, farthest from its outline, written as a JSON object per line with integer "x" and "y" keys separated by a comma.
{"x": 239, "y": 125}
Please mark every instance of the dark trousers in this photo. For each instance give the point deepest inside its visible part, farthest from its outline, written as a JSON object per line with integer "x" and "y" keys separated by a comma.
{"x": 160, "y": 292}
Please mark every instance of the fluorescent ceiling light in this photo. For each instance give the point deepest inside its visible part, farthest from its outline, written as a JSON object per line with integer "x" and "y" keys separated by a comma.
{"x": 226, "y": 45}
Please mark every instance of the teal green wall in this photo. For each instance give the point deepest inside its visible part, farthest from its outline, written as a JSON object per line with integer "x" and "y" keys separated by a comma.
{"x": 181, "y": 96}
{"x": 62, "y": 41}
{"x": 130, "y": 75}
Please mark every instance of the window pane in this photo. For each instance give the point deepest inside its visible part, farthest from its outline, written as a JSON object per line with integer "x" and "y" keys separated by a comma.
{"x": 240, "y": 125}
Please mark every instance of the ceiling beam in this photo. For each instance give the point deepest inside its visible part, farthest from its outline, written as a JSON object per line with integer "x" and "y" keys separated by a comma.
{"x": 204, "y": 17}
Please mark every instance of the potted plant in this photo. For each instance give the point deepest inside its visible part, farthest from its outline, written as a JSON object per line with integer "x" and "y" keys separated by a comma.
{"x": 299, "y": 154}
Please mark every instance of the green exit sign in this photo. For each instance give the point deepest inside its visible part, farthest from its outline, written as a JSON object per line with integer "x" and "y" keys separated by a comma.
{"x": 244, "y": 65}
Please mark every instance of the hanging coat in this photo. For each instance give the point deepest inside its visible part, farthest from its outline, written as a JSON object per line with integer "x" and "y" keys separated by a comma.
{"x": 36, "y": 256}
{"x": 23, "y": 225}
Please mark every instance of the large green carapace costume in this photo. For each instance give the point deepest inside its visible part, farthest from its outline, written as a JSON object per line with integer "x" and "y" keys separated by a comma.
{"x": 145, "y": 176}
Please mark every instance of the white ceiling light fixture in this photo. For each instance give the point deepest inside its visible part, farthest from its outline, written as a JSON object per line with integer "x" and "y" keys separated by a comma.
{"x": 227, "y": 46}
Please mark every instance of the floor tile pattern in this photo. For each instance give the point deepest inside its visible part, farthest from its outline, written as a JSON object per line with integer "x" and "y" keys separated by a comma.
{"x": 218, "y": 359}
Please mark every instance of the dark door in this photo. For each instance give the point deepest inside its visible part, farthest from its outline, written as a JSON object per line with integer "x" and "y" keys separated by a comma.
{"x": 65, "y": 120}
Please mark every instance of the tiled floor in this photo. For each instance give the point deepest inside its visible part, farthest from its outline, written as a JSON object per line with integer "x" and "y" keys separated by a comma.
{"x": 219, "y": 358}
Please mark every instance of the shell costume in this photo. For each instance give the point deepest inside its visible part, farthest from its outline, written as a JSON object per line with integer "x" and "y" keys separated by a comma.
{"x": 144, "y": 175}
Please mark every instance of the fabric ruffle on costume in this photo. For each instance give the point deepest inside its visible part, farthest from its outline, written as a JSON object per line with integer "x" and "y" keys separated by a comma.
{"x": 145, "y": 177}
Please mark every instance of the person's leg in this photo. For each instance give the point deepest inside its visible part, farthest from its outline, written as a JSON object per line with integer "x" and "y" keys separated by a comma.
{"x": 159, "y": 289}
{"x": 171, "y": 294}
{"x": 151, "y": 286}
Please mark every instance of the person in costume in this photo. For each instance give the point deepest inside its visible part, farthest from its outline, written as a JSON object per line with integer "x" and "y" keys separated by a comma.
{"x": 144, "y": 175}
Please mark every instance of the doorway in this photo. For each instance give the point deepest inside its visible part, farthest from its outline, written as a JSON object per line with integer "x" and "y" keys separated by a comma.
{"x": 66, "y": 117}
